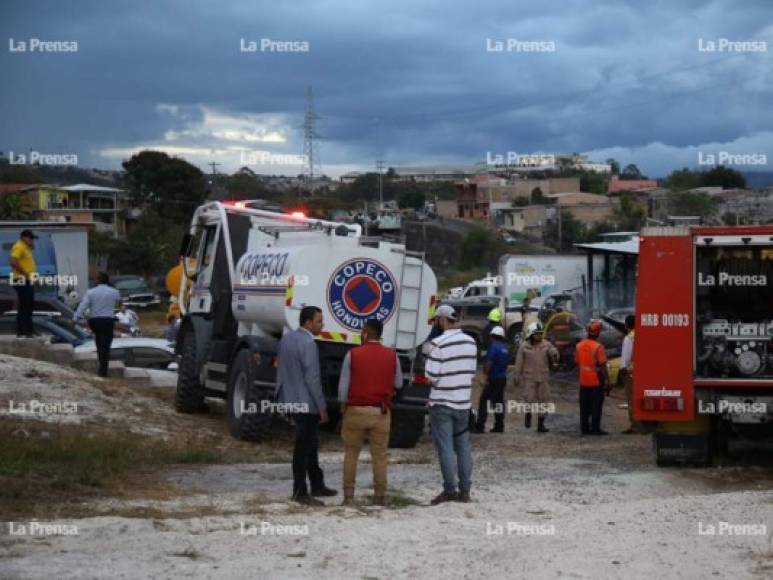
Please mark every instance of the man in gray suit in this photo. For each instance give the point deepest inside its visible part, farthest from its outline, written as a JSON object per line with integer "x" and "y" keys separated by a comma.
{"x": 298, "y": 383}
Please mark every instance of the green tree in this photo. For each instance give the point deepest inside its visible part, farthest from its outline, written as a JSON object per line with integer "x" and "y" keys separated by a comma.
{"x": 475, "y": 245}
{"x": 692, "y": 203}
{"x": 593, "y": 182}
{"x": 18, "y": 174}
{"x": 173, "y": 187}
{"x": 150, "y": 247}
{"x": 629, "y": 215}
{"x": 16, "y": 207}
{"x": 725, "y": 176}
{"x": 244, "y": 184}
{"x": 413, "y": 198}
{"x": 681, "y": 179}
{"x": 614, "y": 165}
{"x": 630, "y": 171}
{"x": 572, "y": 231}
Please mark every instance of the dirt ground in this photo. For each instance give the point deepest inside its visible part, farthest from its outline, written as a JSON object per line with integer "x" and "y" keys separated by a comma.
{"x": 544, "y": 506}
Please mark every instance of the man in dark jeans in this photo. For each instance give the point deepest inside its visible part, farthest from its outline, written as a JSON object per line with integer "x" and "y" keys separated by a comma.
{"x": 23, "y": 270}
{"x": 591, "y": 360}
{"x": 299, "y": 385}
{"x": 495, "y": 369}
{"x": 100, "y": 303}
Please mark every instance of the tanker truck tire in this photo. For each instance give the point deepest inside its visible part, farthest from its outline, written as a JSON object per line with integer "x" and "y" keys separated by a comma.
{"x": 244, "y": 395}
{"x": 189, "y": 395}
{"x": 406, "y": 429}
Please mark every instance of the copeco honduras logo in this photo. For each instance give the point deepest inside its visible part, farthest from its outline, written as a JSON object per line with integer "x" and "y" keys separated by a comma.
{"x": 360, "y": 289}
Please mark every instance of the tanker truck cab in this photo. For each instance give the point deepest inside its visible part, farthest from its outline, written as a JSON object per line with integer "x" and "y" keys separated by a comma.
{"x": 250, "y": 272}
{"x": 703, "y": 351}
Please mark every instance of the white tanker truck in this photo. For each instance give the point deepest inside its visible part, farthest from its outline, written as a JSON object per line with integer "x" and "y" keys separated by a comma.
{"x": 250, "y": 273}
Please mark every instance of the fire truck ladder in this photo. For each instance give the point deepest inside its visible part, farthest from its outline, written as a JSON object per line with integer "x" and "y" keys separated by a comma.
{"x": 410, "y": 299}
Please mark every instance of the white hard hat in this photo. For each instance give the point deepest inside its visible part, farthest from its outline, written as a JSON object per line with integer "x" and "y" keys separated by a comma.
{"x": 445, "y": 311}
{"x": 497, "y": 331}
{"x": 533, "y": 328}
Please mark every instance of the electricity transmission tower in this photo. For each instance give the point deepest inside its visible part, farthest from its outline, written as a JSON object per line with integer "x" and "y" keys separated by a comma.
{"x": 312, "y": 167}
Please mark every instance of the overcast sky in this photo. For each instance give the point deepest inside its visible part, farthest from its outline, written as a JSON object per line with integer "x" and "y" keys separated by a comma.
{"x": 410, "y": 82}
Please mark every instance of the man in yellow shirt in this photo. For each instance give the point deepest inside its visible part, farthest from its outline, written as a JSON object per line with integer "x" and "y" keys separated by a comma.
{"x": 22, "y": 268}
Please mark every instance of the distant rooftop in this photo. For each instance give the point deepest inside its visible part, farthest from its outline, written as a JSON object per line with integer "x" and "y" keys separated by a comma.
{"x": 88, "y": 188}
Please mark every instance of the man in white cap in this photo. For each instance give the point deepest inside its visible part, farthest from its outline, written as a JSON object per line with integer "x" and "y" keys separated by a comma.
{"x": 451, "y": 365}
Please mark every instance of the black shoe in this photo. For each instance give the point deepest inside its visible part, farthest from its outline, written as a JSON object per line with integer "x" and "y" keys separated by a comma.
{"x": 324, "y": 492}
{"x": 479, "y": 429}
{"x": 306, "y": 499}
{"x": 541, "y": 426}
{"x": 497, "y": 429}
{"x": 527, "y": 421}
{"x": 444, "y": 497}
{"x": 600, "y": 432}
{"x": 463, "y": 496}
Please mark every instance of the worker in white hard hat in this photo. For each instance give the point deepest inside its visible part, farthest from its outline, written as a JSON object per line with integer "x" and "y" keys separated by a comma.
{"x": 495, "y": 369}
{"x": 532, "y": 373}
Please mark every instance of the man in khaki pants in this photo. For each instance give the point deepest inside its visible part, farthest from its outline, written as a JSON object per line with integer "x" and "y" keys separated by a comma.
{"x": 369, "y": 376}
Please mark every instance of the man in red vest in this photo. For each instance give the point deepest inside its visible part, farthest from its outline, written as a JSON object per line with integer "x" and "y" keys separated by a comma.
{"x": 369, "y": 376}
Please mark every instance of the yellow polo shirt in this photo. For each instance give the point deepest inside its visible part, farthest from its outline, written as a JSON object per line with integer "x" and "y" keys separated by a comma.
{"x": 22, "y": 252}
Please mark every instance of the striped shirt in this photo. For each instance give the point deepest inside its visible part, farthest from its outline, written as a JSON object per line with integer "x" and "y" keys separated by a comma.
{"x": 451, "y": 365}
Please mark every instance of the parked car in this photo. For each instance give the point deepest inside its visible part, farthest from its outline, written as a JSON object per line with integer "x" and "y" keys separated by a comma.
{"x": 135, "y": 291}
{"x": 472, "y": 314}
{"x": 42, "y": 304}
{"x": 48, "y": 325}
{"x": 144, "y": 353}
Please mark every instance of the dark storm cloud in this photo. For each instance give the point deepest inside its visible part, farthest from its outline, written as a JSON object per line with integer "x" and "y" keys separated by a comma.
{"x": 405, "y": 81}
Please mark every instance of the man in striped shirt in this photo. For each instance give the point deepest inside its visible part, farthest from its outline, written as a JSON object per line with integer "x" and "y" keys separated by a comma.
{"x": 450, "y": 367}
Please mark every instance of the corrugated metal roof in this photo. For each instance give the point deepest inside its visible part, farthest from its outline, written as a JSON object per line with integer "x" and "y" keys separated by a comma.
{"x": 627, "y": 247}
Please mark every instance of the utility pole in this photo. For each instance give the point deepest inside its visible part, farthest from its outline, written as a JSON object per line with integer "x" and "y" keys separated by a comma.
{"x": 558, "y": 209}
{"x": 310, "y": 151}
{"x": 380, "y": 167}
{"x": 213, "y": 175}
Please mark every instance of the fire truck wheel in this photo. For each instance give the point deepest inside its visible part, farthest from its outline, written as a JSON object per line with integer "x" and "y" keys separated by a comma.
{"x": 406, "y": 428}
{"x": 247, "y": 419}
{"x": 189, "y": 395}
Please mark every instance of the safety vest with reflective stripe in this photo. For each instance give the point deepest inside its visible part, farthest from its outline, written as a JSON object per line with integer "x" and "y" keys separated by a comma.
{"x": 590, "y": 355}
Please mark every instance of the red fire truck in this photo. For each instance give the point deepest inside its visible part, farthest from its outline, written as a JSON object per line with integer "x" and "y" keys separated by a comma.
{"x": 703, "y": 356}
